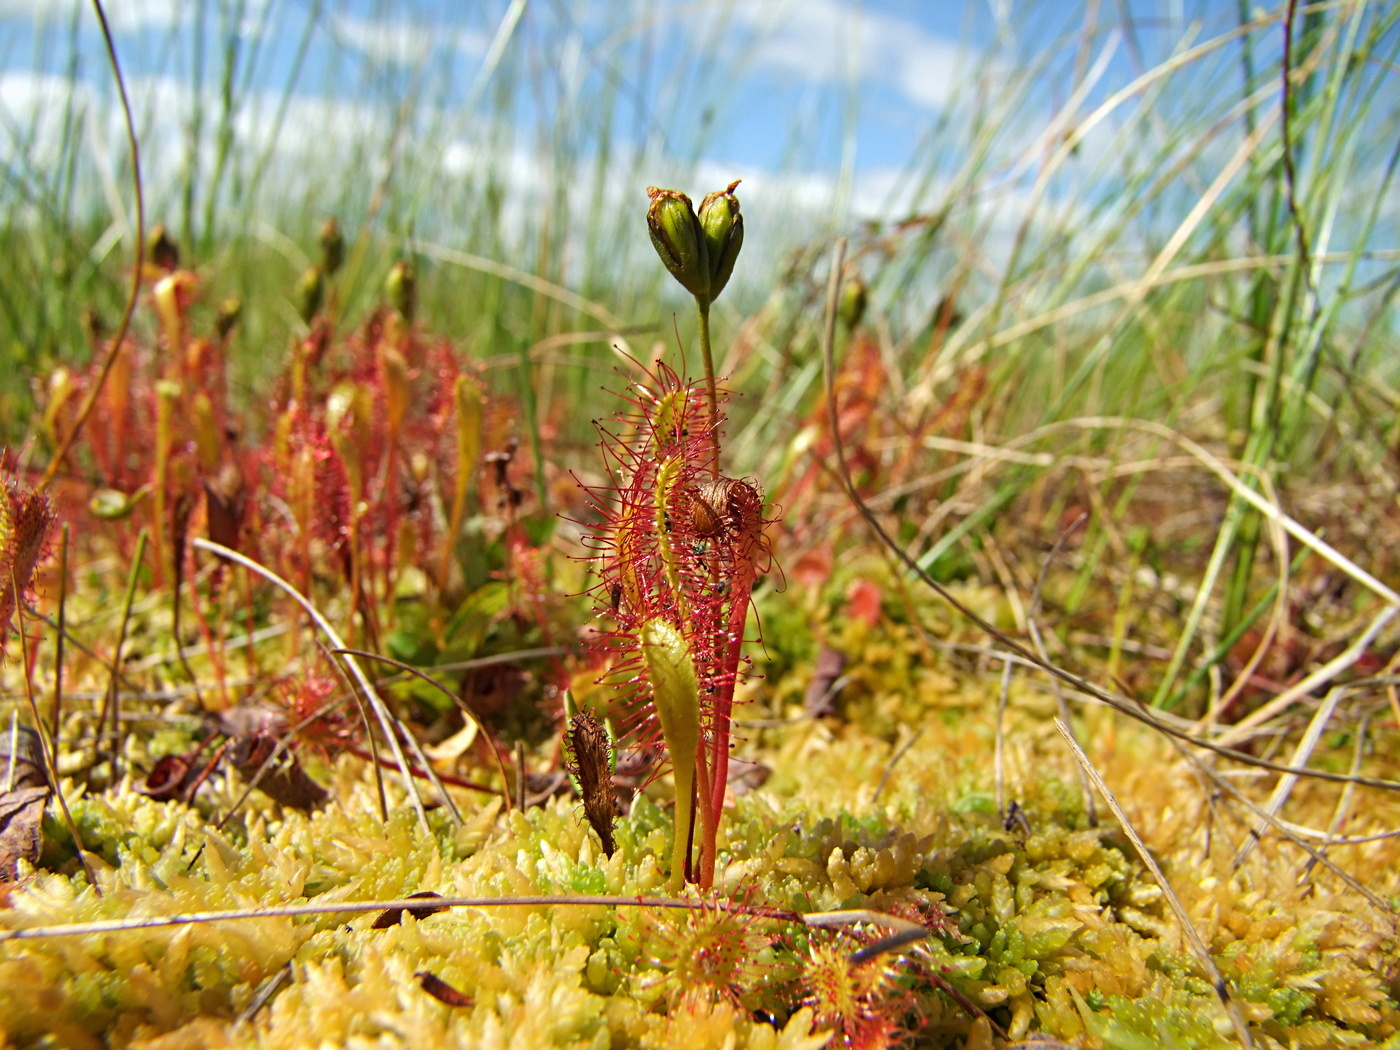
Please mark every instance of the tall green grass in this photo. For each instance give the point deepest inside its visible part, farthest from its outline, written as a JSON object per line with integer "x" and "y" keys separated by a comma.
{"x": 1146, "y": 245}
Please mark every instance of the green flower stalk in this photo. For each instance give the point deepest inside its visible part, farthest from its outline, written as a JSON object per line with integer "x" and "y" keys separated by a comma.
{"x": 699, "y": 250}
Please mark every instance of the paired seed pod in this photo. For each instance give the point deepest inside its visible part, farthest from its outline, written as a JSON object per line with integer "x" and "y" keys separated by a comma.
{"x": 698, "y": 248}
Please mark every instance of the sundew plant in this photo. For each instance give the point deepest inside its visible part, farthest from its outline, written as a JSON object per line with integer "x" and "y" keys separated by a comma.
{"x": 682, "y": 543}
{"x": 456, "y": 592}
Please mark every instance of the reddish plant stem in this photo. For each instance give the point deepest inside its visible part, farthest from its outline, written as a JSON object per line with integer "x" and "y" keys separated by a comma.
{"x": 741, "y": 588}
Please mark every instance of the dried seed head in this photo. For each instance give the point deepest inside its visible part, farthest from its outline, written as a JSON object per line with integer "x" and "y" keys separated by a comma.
{"x": 26, "y": 518}
{"x": 590, "y": 759}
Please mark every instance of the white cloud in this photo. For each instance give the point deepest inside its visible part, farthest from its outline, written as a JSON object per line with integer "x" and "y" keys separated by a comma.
{"x": 835, "y": 39}
{"x": 124, "y": 16}
{"x": 33, "y": 106}
{"x": 402, "y": 41}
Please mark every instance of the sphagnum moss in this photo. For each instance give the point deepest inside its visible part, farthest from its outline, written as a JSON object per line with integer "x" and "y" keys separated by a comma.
{"x": 1052, "y": 927}
{"x": 1048, "y": 924}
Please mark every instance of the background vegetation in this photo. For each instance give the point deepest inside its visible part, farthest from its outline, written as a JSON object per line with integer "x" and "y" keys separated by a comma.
{"x": 1125, "y": 380}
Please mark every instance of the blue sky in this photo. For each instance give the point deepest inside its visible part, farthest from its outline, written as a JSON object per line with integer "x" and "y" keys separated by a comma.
{"x": 830, "y": 110}
{"x": 779, "y": 85}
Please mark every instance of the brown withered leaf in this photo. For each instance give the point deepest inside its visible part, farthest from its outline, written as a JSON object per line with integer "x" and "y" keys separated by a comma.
{"x": 21, "y": 821}
{"x": 24, "y": 792}
{"x": 748, "y": 776}
{"x": 394, "y": 916}
{"x": 284, "y": 781}
{"x": 489, "y": 692}
{"x": 540, "y": 787}
{"x": 224, "y": 500}
{"x": 179, "y": 776}
{"x": 820, "y": 698}
{"x": 171, "y": 777}
{"x": 589, "y": 757}
{"x": 441, "y": 990}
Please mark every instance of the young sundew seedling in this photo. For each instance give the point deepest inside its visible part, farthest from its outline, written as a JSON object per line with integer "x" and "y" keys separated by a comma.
{"x": 681, "y": 544}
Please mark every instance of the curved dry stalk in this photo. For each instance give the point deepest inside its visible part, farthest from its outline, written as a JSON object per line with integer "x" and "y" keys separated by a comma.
{"x": 1287, "y": 830}
{"x": 825, "y": 919}
{"x": 1191, "y": 272}
{"x": 1118, "y": 703}
{"x": 1090, "y": 810}
{"x": 1243, "y": 729}
{"x": 1306, "y": 746}
{"x": 1281, "y": 524}
{"x": 118, "y": 341}
{"x": 1344, "y": 803}
{"x": 59, "y": 636}
{"x": 1220, "y": 552}
{"x": 387, "y": 721}
{"x": 1270, "y": 511}
{"x": 1188, "y": 929}
{"x": 1134, "y": 293}
{"x": 539, "y": 285}
{"x": 415, "y": 672}
{"x": 999, "y": 750}
{"x": 48, "y": 743}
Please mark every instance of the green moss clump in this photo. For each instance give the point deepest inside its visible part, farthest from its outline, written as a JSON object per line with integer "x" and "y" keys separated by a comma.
{"x": 1050, "y": 924}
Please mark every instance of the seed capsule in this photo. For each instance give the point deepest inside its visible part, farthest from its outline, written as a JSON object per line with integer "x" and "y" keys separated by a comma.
{"x": 401, "y": 286}
{"x": 723, "y": 227}
{"x": 332, "y": 246}
{"x": 311, "y": 289}
{"x": 679, "y": 240}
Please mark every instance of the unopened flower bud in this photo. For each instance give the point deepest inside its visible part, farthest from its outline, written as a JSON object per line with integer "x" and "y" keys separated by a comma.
{"x": 852, "y": 307}
{"x": 723, "y": 227}
{"x": 311, "y": 289}
{"x": 401, "y": 286}
{"x": 93, "y": 325}
{"x": 114, "y": 505}
{"x": 332, "y": 246}
{"x": 227, "y": 315}
{"x": 163, "y": 251}
{"x": 679, "y": 240}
